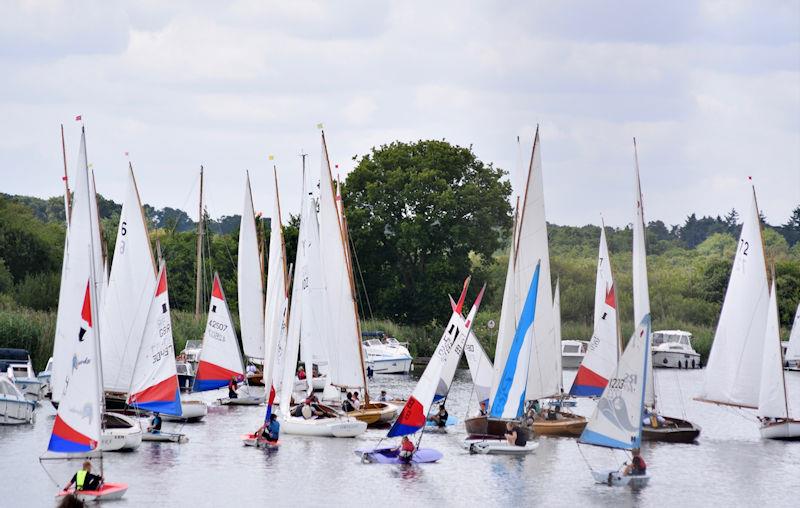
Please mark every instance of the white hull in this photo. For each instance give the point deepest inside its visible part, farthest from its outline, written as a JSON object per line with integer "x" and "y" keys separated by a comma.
{"x": 399, "y": 365}
{"x": 571, "y": 361}
{"x": 191, "y": 411}
{"x": 32, "y": 388}
{"x": 616, "y": 479}
{"x": 323, "y": 427}
{"x": 165, "y": 437}
{"x": 301, "y": 385}
{"x": 498, "y": 447}
{"x": 783, "y": 430}
{"x": 676, "y": 360}
{"x": 242, "y": 401}
{"x": 120, "y": 438}
{"x": 14, "y": 411}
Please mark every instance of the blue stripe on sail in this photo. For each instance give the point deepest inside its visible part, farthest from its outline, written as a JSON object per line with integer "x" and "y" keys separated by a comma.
{"x": 59, "y": 444}
{"x": 594, "y": 438}
{"x": 211, "y": 384}
{"x": 586, "y": 391}
{"x": 167, "y": 407}
{"x": 525, "y": 322}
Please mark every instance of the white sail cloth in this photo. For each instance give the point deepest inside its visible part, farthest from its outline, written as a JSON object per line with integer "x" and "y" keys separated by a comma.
{"x": 250, "y": 281}
{"x": 772, "y": 400}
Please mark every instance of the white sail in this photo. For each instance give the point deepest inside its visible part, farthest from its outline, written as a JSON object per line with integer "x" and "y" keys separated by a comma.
{"x": 603, "y": 350}
{"x": 220, "y": 358}
{"x": 129, "y": 293}
{"x": 155, "y": 377}
{"x": 772, "y": 401}
{"x": 314, "y": 301}
{"x": 557, "y": 329}
{"x": 250, "y": 281}
{"x": 793, "y": 349}
{"x": 82, "y": 232}
{"x": 617, "y": 418}
{"x": 77, "y": 424}
{"x": 733, "y": 372}
{"x": 342, "y": 328}
{"x": 508, "y": 321}
{"x": 641, "y": 291}
{"x": 295, "y": 323}
{"x": 480, "y": 368}
{"x": 277, "y": 308}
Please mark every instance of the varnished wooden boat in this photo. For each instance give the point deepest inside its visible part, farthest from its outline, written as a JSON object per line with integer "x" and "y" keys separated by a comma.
{"x": 375, "y": 413}
{"x": 483, "y": 427}
{"x": 673, "y": 430}
{"x": 565, "y": 425}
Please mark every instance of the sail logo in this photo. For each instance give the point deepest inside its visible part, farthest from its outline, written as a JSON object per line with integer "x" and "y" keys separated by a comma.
{"x": 616, "y": 412}
{"x": 84, "y": 412}
{"x": 76, "y": 363}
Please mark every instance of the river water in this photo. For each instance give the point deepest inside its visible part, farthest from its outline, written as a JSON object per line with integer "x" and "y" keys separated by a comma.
{"x": 730, "y": 464}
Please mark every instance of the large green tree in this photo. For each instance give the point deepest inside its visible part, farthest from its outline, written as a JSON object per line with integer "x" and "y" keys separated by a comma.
{"x": 415, "y": 212}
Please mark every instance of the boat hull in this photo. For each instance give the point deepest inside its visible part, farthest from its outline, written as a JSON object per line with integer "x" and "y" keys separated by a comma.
{"x": 165, "y": 437}
{"x": 676, "y": 360}
{"x": 32, "y": 388}
{"x": 252, "y": 440}
{"x": 674, "y": 430}
{"x": 389, "y": 455}
{"x": 571, "y": 361}
{"x": 375, "y": 413}
{"x": 617, "y": 479}
{"x": 786, "y": 430}
{"x": 399, "y": 365}
{"x": 242, "y": 401}
{"x": 107, "y": 492}
{"x": 485, "y": 427}
{"x": 451, "y": 420}
{"x": 16, "y": 411}
{"x": 569, "y": 425}
{"x": 323, "y": 427}
{"x": 122, "y": 434}
{"x": 498, "y": 447}
{"x": 191, "y": 411}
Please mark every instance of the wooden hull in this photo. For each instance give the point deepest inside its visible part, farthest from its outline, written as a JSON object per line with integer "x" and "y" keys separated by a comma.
{"x": 375, "y": 413}
{"x": 570, "y": 425}
{"x": 485, "y": 427}
{"x": 674, "y": 430}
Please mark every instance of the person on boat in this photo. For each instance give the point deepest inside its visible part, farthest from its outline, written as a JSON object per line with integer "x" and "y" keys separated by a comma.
{"x": 383, "y": 397}
{"x": 155, "y": 424}
{"x": 516, "y": 435}
{"x": 356, "y": 401}
{"x": 232, "y": 387}
{"x": 370, "y": 372}
{"x": 301, "y": 373}
{"x": 251, "y": 370}
{"x": 347, "y": 404}
{"x": 269, "y": 432}
{"x": 654, "y": 420}
{"x": 84, "y": 479}
{"x": 406, "y": 449}
{"x": 637, "y": 467}
{"x": 440, "y": 418}
{"x": 482, "y": 411}
{"x": 536, "y": 406}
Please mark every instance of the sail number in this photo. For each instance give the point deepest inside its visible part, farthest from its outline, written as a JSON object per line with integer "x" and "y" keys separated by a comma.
{"x": 628, "y": 383}
{"x": 162, "y": 353}
{"x": 219, "y": 326}
{"x": 744, "y": 246}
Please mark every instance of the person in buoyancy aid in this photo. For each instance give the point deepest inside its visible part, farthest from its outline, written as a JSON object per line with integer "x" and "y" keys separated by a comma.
{"x": 406, "y": 449}
{"x": 637, "y": 467}
{"x": 84, "y": 479}
{"x": 155, "y": 424}
{"x": 232, "y": 386}
{"x": 516, "y": 435}
{"x": 347, "y": 404}
{"x": 440, "y": 418}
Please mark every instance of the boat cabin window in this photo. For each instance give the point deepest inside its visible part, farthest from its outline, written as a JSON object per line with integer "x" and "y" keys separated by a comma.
{"x": 569, "y": 348}
{"x": 373, "y": 342}
{"x": 20, "y": 370}
{"x": 114, "y": 422}
{"x": 181, "y": 368}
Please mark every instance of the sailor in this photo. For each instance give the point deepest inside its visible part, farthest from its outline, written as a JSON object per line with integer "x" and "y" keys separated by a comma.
{"x": 406, "y": 449}
{"x": 155, "y": 424}
{"x": 356, "y": 401}
{"x": 232, "y": 386}
{"x": 370, "y": 372}
{"x": 84, "y": 479}
{"x": 269, "y": 431}
{"x": 301, "y": 373}
{"x": 482, "y": 410}
{"x": 637, "y": 467}
{"x": 347, "y": 404}
{"x": 383, "y": 396}
{"x": 440, "y": 418}
{"x": 516, "y": 435}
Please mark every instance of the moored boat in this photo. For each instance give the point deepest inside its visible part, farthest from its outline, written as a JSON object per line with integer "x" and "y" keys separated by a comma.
{"x": 15, "y": 409}
{"x": 673, "y": 349}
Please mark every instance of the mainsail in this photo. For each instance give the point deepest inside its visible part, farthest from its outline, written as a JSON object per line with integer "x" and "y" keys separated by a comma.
{"x": 772, "y": 399}
{"x": 250, "y": 281}
{"x": 220, "y": 358}
{"x": 603, "y": 350}
{"x": 155, "y": 377}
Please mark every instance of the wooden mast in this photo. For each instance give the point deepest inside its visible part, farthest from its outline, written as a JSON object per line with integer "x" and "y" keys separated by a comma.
{"x": 66, "y": 178}
{"x": 199, "y": 261}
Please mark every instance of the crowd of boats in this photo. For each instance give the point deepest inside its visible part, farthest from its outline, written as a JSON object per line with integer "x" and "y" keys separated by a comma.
{"x": 114, "y": 360}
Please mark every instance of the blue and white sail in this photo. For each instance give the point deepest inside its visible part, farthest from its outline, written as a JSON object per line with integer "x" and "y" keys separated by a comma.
{"x": 509, "y": 397}
{"x": 617, "y": 418}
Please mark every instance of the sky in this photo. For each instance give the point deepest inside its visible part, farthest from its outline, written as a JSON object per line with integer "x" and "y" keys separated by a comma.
{"x": 710, "y": 89}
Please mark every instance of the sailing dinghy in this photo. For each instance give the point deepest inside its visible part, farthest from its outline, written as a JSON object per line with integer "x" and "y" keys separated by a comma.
{"x": 617, "y": 422}
{"x": 413, "y": 418}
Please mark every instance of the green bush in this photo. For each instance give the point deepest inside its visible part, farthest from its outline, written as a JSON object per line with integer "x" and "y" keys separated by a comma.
{"x": 39, "y": 291}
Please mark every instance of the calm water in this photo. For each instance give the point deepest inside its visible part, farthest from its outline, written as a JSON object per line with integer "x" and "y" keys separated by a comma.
{"x": 730, "y": 465}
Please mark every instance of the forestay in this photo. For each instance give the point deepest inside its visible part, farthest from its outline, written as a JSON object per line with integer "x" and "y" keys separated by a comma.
{"x": 414, "y": 413}
{"x": 155, "y": 378}
{"x": 77, "y": 424}
{"x": 220, "y": 358}
{"x": 128, "y": 295}
{"x": 250, "y": 281}
{"x": 733, "y": 372}
{"x": 617, "y": 418}
{"x": 603, "y": 350}
{"x": 83, "y": 232}
{"x": 772, "y": 400}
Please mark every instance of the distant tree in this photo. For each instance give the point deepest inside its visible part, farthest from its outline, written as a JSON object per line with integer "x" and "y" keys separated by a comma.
{"x": 791, "y": 229}
{"x": 720, "y": 245}
{"x": 416, "y": 211}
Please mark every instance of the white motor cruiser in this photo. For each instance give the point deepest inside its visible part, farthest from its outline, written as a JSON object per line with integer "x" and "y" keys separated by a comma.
{"x": 673, "y": 348}
{"x": 15, "y": 409}
{"x": 572, "y": 353}
{"x": 389, "y": 356}
{"x": 19, "y": 368}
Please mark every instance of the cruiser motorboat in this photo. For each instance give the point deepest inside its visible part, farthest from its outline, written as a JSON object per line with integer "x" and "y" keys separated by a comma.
{"x": 15, "y": 409}
{"x": 185, "y": 375}
{"x": 120, "y": 433}
{"x": 18, "y": 366}
{"x": 388, "y": 356}
{"x": 572, "y": 353}
{"x": 44, "y": 378}
{"x": 673, "y": 348}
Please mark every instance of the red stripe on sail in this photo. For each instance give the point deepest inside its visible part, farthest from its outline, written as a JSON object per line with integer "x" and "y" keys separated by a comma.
{"x": 64, "y": 431}
{"x": 208, "y": 371}
{"x": 162, "y": 392}
{"x": 86, "y": 311}
{"x": 586, "y": 377}
{"x": 162, "y": 282}
{"x": 611, "y": 299}
{"x": 217, "y": 291}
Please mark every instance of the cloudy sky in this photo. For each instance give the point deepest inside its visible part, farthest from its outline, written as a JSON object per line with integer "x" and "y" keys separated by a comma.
{"x": 710, "y": 89}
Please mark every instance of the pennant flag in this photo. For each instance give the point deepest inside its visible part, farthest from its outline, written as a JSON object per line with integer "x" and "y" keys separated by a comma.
{"x": 78, "y": 118}
{"x": 271, "y": 157}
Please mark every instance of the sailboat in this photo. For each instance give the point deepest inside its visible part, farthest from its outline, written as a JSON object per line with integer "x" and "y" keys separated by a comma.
{"x": 220, "y": 359}
{"x": 616, "y": 422}
{"x": 250, "y": 284}
{"x": 531, "y": 370}
{"x": 745, "y": 367}
{"x": 413, "y": 416}
{"x": 792, "y": 360}
{"x": 661, "y": 428}
{"x": 154, "y": 385}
